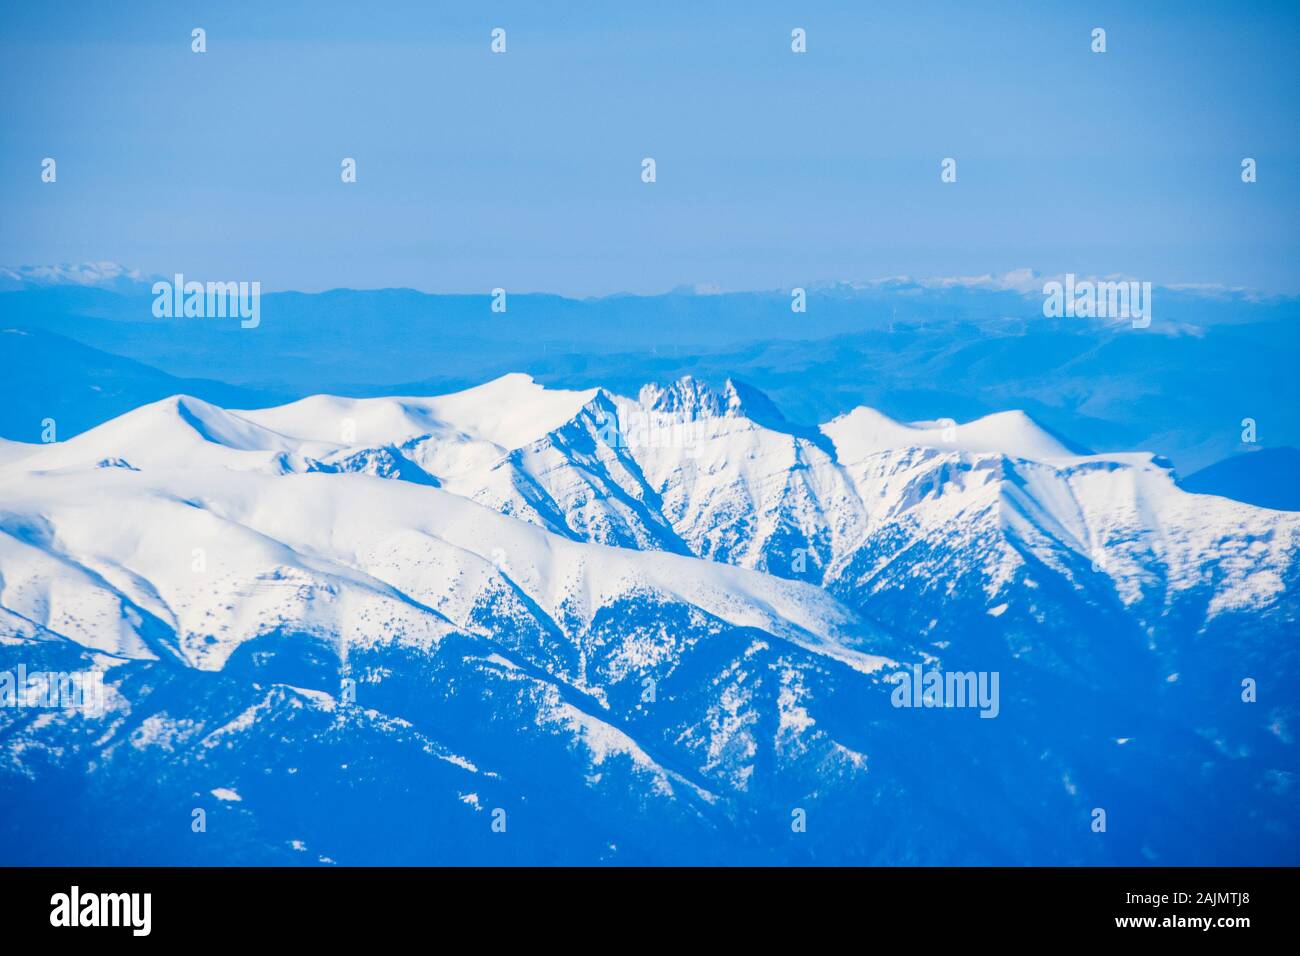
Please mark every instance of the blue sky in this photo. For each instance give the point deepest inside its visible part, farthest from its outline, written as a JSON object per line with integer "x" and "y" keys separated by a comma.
{"x": 774, "y": 169}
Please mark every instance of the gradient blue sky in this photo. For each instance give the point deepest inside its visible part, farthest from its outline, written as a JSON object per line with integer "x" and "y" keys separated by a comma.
{"x": 523, "y": 170}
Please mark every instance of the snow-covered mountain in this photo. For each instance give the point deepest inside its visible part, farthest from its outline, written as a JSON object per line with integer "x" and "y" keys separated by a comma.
{"x": 103, "y": 275}
{"x": 656, "y": 628}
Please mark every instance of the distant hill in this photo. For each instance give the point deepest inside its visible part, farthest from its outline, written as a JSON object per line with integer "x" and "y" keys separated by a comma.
{"x": 44, "y": 375}
{"x": 1268, "y": 478}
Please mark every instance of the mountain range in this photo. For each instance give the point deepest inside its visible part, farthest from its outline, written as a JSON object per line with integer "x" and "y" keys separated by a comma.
{"x": 517, "y": 623}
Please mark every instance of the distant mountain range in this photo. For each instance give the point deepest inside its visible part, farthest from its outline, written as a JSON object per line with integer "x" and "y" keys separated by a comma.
{"x": 915, "y": 349}
{"x": 660, "y": 625}
{"x": 95, "y": 275}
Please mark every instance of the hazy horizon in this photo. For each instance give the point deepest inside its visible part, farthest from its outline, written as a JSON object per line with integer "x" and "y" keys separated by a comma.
{"x": 522, "y": 170}
{"x": 1023, "y": 280}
